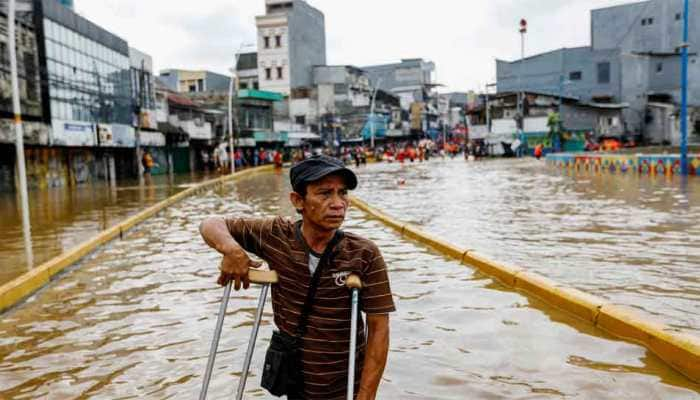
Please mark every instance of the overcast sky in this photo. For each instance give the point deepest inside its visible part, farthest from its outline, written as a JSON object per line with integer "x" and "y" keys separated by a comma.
{"x": 463, "y": 37}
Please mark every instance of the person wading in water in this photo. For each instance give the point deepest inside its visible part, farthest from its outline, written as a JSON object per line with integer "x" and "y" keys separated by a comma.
{"x": 296, "y": 250}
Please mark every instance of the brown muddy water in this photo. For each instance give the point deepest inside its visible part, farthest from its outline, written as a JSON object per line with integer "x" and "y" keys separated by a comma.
{"x": 61, "y": 218}
{"x": 633, "y": 240}
{"x": 135, "y": 320}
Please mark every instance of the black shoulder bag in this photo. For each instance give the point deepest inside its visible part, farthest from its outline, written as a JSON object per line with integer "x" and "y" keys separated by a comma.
{"x": 282, "y": 372}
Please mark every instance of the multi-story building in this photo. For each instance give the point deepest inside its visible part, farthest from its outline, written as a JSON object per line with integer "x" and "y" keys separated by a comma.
{"x": 247, "y": 71}
{"x": 34, "y": 111}
{"x": 411, "y": 79}
{"x": 291, "y": 40}
{"x": 343, "y": 96}
{"x": 186, "y": 81}
{"x": 633, "y": 64}
{"x": 145, "y": 121}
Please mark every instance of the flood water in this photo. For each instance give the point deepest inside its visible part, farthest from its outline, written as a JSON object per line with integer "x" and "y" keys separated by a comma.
{"x": 61, "y": 218}
{"x": 135, "y": 320}
{"x": 630, "y": 239}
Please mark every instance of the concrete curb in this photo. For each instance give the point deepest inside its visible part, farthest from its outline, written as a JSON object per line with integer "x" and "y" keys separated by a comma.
{"x": 680, "y": 351}
{"x": 15, "y": 291}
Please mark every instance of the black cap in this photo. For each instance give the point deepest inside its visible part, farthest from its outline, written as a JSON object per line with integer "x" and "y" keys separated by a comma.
{"x": 316, "y": 167}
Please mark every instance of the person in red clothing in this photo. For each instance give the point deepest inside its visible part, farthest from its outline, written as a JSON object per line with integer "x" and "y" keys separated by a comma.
{"x": 278, "y": 159}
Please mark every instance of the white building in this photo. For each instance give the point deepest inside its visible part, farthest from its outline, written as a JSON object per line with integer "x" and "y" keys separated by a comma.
{"x": 291, "y": 40}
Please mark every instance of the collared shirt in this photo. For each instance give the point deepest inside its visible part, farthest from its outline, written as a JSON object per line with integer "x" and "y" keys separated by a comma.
{"x": 325, "y": 347}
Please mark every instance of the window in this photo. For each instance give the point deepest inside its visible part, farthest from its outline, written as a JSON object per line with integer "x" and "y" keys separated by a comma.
{"x": 278, "y": 41}
{"x": 243, "y": 85}
{"x": 3, "y": 54}
{"x": 30, "y": 68}
{"x": 256, "y": 86}
{"x": 678, "y": 16}
{"x": 279, "y": 72}
{"x": 200, "y": 85}
{"x": 575, "y": 76}
{"x": 267, "y": 42}
{"x": 300, "y": 119}
{"x": 659, "y": 67}
{"x": 192, "y": 88}
{"x": 340, "y": 88}
{"x": 644, "y": 21}
{"x": 650, "y": 21}
{"x": 604, "y": 72}
{"x": 268, "y": 73}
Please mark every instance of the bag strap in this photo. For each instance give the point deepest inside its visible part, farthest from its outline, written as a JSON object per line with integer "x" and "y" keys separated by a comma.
{"x": 315, "y": 279}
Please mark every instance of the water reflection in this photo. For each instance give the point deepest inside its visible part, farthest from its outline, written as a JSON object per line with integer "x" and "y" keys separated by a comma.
{"x": 64, "y": 217}
{"x": 135, "y": 321}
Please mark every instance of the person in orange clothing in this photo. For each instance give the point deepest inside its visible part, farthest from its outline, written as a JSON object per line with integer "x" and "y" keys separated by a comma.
{"x": 538, "y": 151}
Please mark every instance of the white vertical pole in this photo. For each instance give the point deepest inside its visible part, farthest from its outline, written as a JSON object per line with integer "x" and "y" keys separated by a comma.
{"x": 230, "y": 122}
{"x": 19, "y": 141}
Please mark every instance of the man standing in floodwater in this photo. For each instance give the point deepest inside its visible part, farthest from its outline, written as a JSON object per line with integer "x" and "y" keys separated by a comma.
{"x": 296, "y": 250}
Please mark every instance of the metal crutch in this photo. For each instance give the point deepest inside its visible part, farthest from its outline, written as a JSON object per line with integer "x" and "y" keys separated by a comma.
{"x": 354, "y": 283}
{"x": 266, "y": 278}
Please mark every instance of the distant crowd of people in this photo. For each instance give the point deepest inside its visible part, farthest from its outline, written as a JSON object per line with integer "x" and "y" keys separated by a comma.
{"x": 400, "y": 151}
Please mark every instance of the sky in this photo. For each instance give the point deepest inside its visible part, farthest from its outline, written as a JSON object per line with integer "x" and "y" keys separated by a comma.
{"x": 462, "y": 37}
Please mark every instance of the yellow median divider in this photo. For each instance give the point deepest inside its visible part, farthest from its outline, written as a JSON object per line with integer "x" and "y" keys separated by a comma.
{"x": 15, "y": 291}
{"x": 680, "y": 351}
{"x": 503, "y": 273}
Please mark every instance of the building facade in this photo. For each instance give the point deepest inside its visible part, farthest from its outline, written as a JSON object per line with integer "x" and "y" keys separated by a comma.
{"x": 633, "y": 63}
{"x": 291, "y": 40}
{"x": 411, "y": 79}
{"x": 247, "y": 71}
{"x": 187, "y": 81}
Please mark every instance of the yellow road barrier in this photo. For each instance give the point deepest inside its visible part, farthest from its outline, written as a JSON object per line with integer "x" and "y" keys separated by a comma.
{"x": 680, "y": 351}
{"x": 23, "y": 286}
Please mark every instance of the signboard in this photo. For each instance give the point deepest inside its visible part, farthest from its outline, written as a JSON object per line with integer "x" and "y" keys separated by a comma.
{"x": 72, "y": 133}
{"x": 104, "y": 135}
{"x": 153, "y": 139}
{"x": 123, "y": 136}
{"x": 408, "y": 75}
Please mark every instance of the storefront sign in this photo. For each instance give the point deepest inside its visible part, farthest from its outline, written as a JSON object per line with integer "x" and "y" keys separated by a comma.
{"x": 72, "y": 133}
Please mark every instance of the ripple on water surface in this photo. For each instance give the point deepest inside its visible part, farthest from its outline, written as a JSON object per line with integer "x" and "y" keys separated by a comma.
{"x": 135, "y": 320}
{"x": 630, "y": 239}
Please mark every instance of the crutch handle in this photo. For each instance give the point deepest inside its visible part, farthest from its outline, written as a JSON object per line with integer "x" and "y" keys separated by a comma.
{"x": 353, "y": 282}
{"x": 262, "y": 276}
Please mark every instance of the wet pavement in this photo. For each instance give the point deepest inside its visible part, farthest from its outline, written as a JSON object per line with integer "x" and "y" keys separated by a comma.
{"x": 630, "y": 239}
{"x": 62, "y": 217}
{"x": 135, "y": 320}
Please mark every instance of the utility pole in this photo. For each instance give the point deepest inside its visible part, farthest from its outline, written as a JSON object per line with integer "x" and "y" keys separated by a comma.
{"x": 234, "y": 78}
{"x": 371, "y": 110}
{"x": 230, "y": 119}
{"x": 139, "y": 109}
{"x": 19, "y": 131}
{"x": 684, "y": 93}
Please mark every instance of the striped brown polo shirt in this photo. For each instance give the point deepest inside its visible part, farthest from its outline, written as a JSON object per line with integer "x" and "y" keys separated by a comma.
{"x": 325, "y": 347}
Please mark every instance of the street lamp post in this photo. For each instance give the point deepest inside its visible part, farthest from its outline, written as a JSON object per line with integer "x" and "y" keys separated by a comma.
{"x": 521, "y": 92}
{"x": 684, "y": 93}
{"x": 19, "y": 131}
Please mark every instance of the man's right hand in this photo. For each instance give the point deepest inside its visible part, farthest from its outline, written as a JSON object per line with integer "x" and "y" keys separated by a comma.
{"x": 235, "y": 266}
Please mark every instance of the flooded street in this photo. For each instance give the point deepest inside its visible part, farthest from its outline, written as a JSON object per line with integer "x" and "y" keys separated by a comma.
{"x": 630, "y": 239}
{"x": 135, "y": 319}
{"x": 63, "y": 217}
